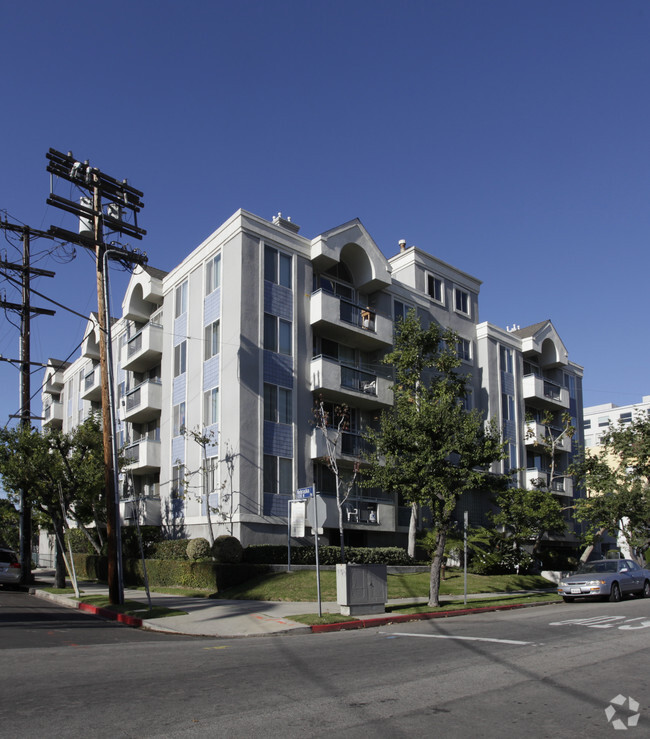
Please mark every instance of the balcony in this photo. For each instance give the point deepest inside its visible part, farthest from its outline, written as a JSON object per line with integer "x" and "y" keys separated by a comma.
{"x": 346, "y": 384}
{"x": 143, "y": 350}
{"x": 350, "y": 445}
{"x": 143, "y": 457}
{"x": 342, "y": 320}
{"x": 536, "y": 436}
{"x": 543, "y": 393}
{"x": 144, "y": 402}
{"x": 561, "y": 485}
{"x": 54, "y": 381}
{"x": 53, "y": 415}
{"x": 92, "y": 385}
{"x": 145, "y": 510}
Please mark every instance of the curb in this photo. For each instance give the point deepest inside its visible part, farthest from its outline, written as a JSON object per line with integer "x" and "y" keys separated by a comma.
{"x": 105, "y": 613}
{"x": 367, "y": 623}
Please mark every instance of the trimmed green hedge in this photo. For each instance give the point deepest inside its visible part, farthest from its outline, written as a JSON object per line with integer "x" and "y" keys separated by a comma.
{"x": 277, "y": 554}
{"x": 170, "y": 573}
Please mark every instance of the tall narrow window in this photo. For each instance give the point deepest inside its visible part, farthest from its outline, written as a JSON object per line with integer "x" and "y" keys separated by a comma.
{"x": 180, "y": 358}
{"x": 464, "y": 350}
{"x": 211, "y": 340}
{"x": 213, "y": 274}
{"x": 277, "y": 267}
{"x": 211, "y": 406}
{"x": 178, "y": 419}
{"x": 434, "y": 288}
{"x": 181, "y": 299}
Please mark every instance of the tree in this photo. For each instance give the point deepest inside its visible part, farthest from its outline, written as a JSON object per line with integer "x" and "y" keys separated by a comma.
{"x": 550, "y": 443}
{"x": 525, "y": 516}
{"x": 9, "y": 524}
{"x": 332, "y": 426}
{"x": 429, "y": 447}
{"x": 63, "y": 476}
{"x": 618, "y": 486}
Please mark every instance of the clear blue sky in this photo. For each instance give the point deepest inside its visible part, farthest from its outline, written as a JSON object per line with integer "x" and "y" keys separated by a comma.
{"x": 510, "y": 139}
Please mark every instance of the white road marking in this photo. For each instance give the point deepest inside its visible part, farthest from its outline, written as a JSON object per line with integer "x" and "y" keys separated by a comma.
{"x": 458, "y": 638}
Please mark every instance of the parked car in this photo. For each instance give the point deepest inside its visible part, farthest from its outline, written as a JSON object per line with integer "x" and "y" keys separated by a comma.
{"x": 9, "y": 567}
{"x": 606, "y": 579}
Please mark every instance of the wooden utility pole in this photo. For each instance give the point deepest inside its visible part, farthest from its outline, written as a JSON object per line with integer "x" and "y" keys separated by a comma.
{"x": 25, "y": 309}
{"x": 120, "y": 197}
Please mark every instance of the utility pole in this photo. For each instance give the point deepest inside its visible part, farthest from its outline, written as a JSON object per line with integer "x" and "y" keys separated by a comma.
{"x": 25, "y": 309}
{"x": 120, "y": 197}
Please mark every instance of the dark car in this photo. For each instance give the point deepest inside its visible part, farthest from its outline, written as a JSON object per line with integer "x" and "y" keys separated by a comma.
{"x": 606, "y": 579}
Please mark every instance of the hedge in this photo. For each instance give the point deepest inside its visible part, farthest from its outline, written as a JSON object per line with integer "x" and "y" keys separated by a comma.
{"x": 277, "y": 554}
{"x": 170, "y": 573}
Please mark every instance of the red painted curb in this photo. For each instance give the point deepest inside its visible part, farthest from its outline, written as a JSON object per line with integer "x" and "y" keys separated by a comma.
{"x": 366, "y": 623}
{"x": 111, "y": 615}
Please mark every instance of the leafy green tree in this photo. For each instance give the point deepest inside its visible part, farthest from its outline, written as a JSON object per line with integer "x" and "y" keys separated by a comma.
{"x": 617, "y": 481}
{"x": 428, "y": 446}
{"x": 525, "y": 516}
{"x": 9, "y": 524}
{"x": 63, "y": 477}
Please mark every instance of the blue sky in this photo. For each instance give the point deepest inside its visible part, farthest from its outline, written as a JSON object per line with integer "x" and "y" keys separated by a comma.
{"x": 507, "y": 138}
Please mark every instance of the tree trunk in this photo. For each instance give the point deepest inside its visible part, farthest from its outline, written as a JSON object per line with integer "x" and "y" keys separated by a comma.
{"x": 436, "y": 566}
{"x": 413, "y": 527}
{"x": 589, "y": 549}
{"x": 339, "y": 505}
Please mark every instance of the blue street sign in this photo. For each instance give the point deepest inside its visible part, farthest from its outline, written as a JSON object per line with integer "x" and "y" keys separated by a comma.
{"x": 303, "y": 493}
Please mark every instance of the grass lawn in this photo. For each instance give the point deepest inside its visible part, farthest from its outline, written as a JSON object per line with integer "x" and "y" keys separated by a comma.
{"x": 301, "y": 585}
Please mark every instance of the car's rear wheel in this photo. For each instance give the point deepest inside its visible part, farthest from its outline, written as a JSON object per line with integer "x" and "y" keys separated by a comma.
{"x": 567, "y": 599}
{"x": 615, "y": 593}
{"x": 646, "y": 589}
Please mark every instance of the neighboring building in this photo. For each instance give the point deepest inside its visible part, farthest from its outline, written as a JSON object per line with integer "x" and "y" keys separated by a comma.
{"x": 598, "y": 419}
{"x": 237, "y": 340}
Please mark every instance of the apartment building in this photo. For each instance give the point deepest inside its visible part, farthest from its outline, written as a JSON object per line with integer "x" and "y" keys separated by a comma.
{"x": 598, "y": 419}
{"x": 218, "y": 362}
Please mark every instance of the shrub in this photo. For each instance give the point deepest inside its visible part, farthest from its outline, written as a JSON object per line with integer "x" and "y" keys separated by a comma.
{"x": 227, "y": 550}
{"x": 151, "y": 535}
{"x": 277, "y": 554}
{"x": 79, "y": 542}
{"x": 170, "y": 549}
{"x": 198, "y": 549}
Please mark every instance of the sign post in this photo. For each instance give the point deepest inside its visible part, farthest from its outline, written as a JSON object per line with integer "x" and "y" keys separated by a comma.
{"x": 317, "y": 509}
{"x": 296, "y": 520}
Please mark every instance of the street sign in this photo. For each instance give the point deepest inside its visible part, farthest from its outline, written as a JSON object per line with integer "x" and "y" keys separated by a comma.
{"x": 303, "y": 493}
{"x": 297, "y": 520}
{"x": 316, "y": 513}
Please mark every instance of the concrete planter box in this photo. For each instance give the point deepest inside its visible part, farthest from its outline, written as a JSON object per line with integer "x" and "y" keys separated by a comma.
{"x": 361, "y": 589}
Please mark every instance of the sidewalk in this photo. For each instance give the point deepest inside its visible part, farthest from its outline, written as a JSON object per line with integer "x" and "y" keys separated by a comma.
{"x": 236, "y": 618}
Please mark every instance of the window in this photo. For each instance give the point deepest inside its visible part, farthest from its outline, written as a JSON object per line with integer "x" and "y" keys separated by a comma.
{"x": 464, "y": 350}
{"x": 180, "y": 358}
{"x": 213, "y": 274}
{"x": 461, "y": 301}
{"x": 586, "y": 424}
{"x": 277, "y": 404}
{"x": 211, "y": 333}
{"x": 212, "y": 474}
{"x": 434, "y": 288}
{"x": 625, "y": 418}
{"x": 181, "y": 300}
{"x": 211, "y": 406}
{"x": 177, "y": 481}
{"x": 277, "y": 267}
{"x": 507, "y": 407}
{"x": 178, "y": 420}
{"x": 400, "y": 310}
{"x": 603, "y": 421}
{"x": 278, "y": 475}
{"x": 505, "y": 359}
{"x": 277, "y": 334}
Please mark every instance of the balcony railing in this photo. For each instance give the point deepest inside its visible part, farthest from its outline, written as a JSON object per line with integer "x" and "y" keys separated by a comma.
{"x": 547, "y": 394}
{"x": 349, "y": 384}
{"x": 332, "y": 314}
{"x": 144, "y": 349}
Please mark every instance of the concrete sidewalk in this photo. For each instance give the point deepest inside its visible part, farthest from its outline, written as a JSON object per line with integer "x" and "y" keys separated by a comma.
{"x": 237, "y": 618}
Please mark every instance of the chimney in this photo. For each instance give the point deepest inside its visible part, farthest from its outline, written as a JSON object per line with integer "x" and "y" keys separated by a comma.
{"x": 402, "y": 245}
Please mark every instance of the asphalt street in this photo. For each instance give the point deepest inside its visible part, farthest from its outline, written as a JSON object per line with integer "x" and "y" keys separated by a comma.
{"x": 549, "y": 671}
